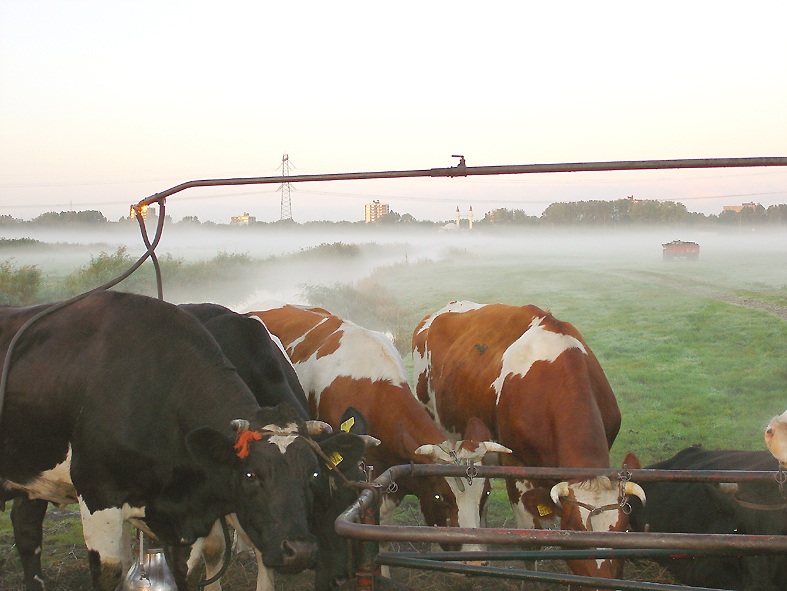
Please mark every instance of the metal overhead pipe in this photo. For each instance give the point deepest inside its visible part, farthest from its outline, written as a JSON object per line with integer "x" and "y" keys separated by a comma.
{"x": 463, "y": 170}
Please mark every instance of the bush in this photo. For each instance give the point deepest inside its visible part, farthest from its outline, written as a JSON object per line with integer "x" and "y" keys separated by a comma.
{"x": 367, "y": 305}
{"x": 18, "y": 287}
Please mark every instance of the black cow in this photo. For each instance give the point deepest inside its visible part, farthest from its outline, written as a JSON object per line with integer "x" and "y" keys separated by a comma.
{"x": 268, "y": 372}
{"x": 259, "y": 361}
{"x": 127, "y": 405}
{"x": 755, "y": 508}
{"x": 334, "y": 494}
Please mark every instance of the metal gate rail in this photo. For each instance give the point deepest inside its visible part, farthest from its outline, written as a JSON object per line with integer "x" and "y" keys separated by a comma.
{"x": 613, "y": 543}
{"x": 463, "y": 170}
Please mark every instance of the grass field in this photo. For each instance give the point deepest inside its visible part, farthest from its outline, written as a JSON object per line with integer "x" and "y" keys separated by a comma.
{"x": 696, "y": 352}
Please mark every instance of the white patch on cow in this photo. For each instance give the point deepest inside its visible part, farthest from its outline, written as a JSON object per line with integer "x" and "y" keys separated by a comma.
{"x": 536, "y": 344}
{"x": 598, "y": 492}
{"x": 108, "y": 532}
{"x": 454, "y": 307}
{"x": 362, "y": 354}
{"x": 523, "y": 517}
{"x": 294, "y": 344}
{"x": 282, "y": 437}
{"x": 53, "y": 485}
{"x": 468, "y": 502}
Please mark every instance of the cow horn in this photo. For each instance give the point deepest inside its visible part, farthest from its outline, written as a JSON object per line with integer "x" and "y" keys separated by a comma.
{"x": 559, "y": 490}
{"x": 427, "y": 450}
{"x": 730, "y": 488}
{"x": 240, "y": 425}
{"x": 632, "y": 488}
{"x": 318, "y": 428}
{"x": 494, "y": 446}
{"x": 370, "y": 441}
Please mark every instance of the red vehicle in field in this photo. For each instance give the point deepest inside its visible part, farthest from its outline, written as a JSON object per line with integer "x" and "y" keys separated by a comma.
{"x": 678, "y": 249}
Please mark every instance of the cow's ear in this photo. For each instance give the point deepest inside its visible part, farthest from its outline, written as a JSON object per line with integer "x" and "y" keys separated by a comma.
{"x": 210, "y": 449}
{"x": 353, "y": 421}
{"x": 632, "y": 462}
{"x": 344, "y": 450}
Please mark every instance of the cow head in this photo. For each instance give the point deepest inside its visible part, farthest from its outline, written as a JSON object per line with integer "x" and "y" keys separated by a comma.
{"x": 776, "y": 438}
{"x": 339, "y": 470}
{"x": 458, "y": 501}
{"x": 594, "y": 505}
{"x": 272, "y": 474}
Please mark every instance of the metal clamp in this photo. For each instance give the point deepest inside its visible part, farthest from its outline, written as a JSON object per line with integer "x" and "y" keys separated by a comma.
{"x": 472, "y": 472}
{"x": 781, "y": 478}
{"x": 624, "y": 476}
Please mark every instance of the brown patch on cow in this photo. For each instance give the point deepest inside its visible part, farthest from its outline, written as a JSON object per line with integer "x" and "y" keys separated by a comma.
{"x": 476, "y": 431}
{"x": 539, "y": 504}
{"x": 330, "y": 345}
{"x": 422, "y": 389}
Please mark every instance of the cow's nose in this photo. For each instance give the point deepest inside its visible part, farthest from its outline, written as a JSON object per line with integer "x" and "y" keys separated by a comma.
{"x": 298, "y": 555}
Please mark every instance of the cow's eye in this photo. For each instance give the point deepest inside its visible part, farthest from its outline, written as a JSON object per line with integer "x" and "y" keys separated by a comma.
{"x": 250, "y": 476}
{"x": 487, "y": 492}
{"x": 316, "y": 474}
{"x": 438, "y": 497}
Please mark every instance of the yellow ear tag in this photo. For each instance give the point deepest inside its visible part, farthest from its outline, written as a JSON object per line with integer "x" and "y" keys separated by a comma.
{"x": 335, "y": 458}
{"x": 543, "y": 510}
{"x": 347, "y": 425}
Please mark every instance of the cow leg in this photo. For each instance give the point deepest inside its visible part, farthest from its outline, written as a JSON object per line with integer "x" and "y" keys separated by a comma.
{"x": 387, "y": 508}
{"x": 177, "y": 561}
{"x": 211, "y": 550}
{"x": 27, "y": 517}
{"x": 264, "y": 574}
{"x": 108, "y": 540}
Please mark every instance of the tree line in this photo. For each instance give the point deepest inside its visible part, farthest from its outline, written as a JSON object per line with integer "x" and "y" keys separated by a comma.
{"x": 584, "y": 213}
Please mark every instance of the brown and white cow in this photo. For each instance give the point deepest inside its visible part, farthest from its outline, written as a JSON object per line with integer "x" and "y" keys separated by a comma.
{"x": 341, "y": 364}
{"x": 536, "y": 385}
{"x": 776, "y": 437}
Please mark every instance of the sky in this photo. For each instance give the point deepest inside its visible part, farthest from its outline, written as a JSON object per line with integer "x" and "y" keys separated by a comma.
{"x": 103, "y": 104}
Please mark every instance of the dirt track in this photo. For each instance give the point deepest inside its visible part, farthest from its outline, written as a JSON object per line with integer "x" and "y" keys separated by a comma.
{"x": 713, "y": 291}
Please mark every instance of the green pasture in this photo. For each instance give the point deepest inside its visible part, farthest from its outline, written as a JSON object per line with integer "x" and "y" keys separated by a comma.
{"x": 686, "y": 368}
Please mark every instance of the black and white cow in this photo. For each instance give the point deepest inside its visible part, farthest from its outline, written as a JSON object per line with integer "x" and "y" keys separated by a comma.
{"x": 126, "y": 405}
{"x": 266, "y": 369}
{"x": 754, "y": 508}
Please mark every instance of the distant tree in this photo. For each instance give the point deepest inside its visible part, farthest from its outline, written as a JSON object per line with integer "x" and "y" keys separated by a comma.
{"x": 70, "y": 217}
{"x": 189, "y": 219}
{"x": 621, "y": 211}
{"x": 747, "y": 216}
{"x": 408, "y": 219}
{"x": 562, "y": 214}
{"x": 777, "y": 214}
{"x": 389, "y": 218}
{"x": 7, "y": 220}
{"x": 503, "y": 216}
